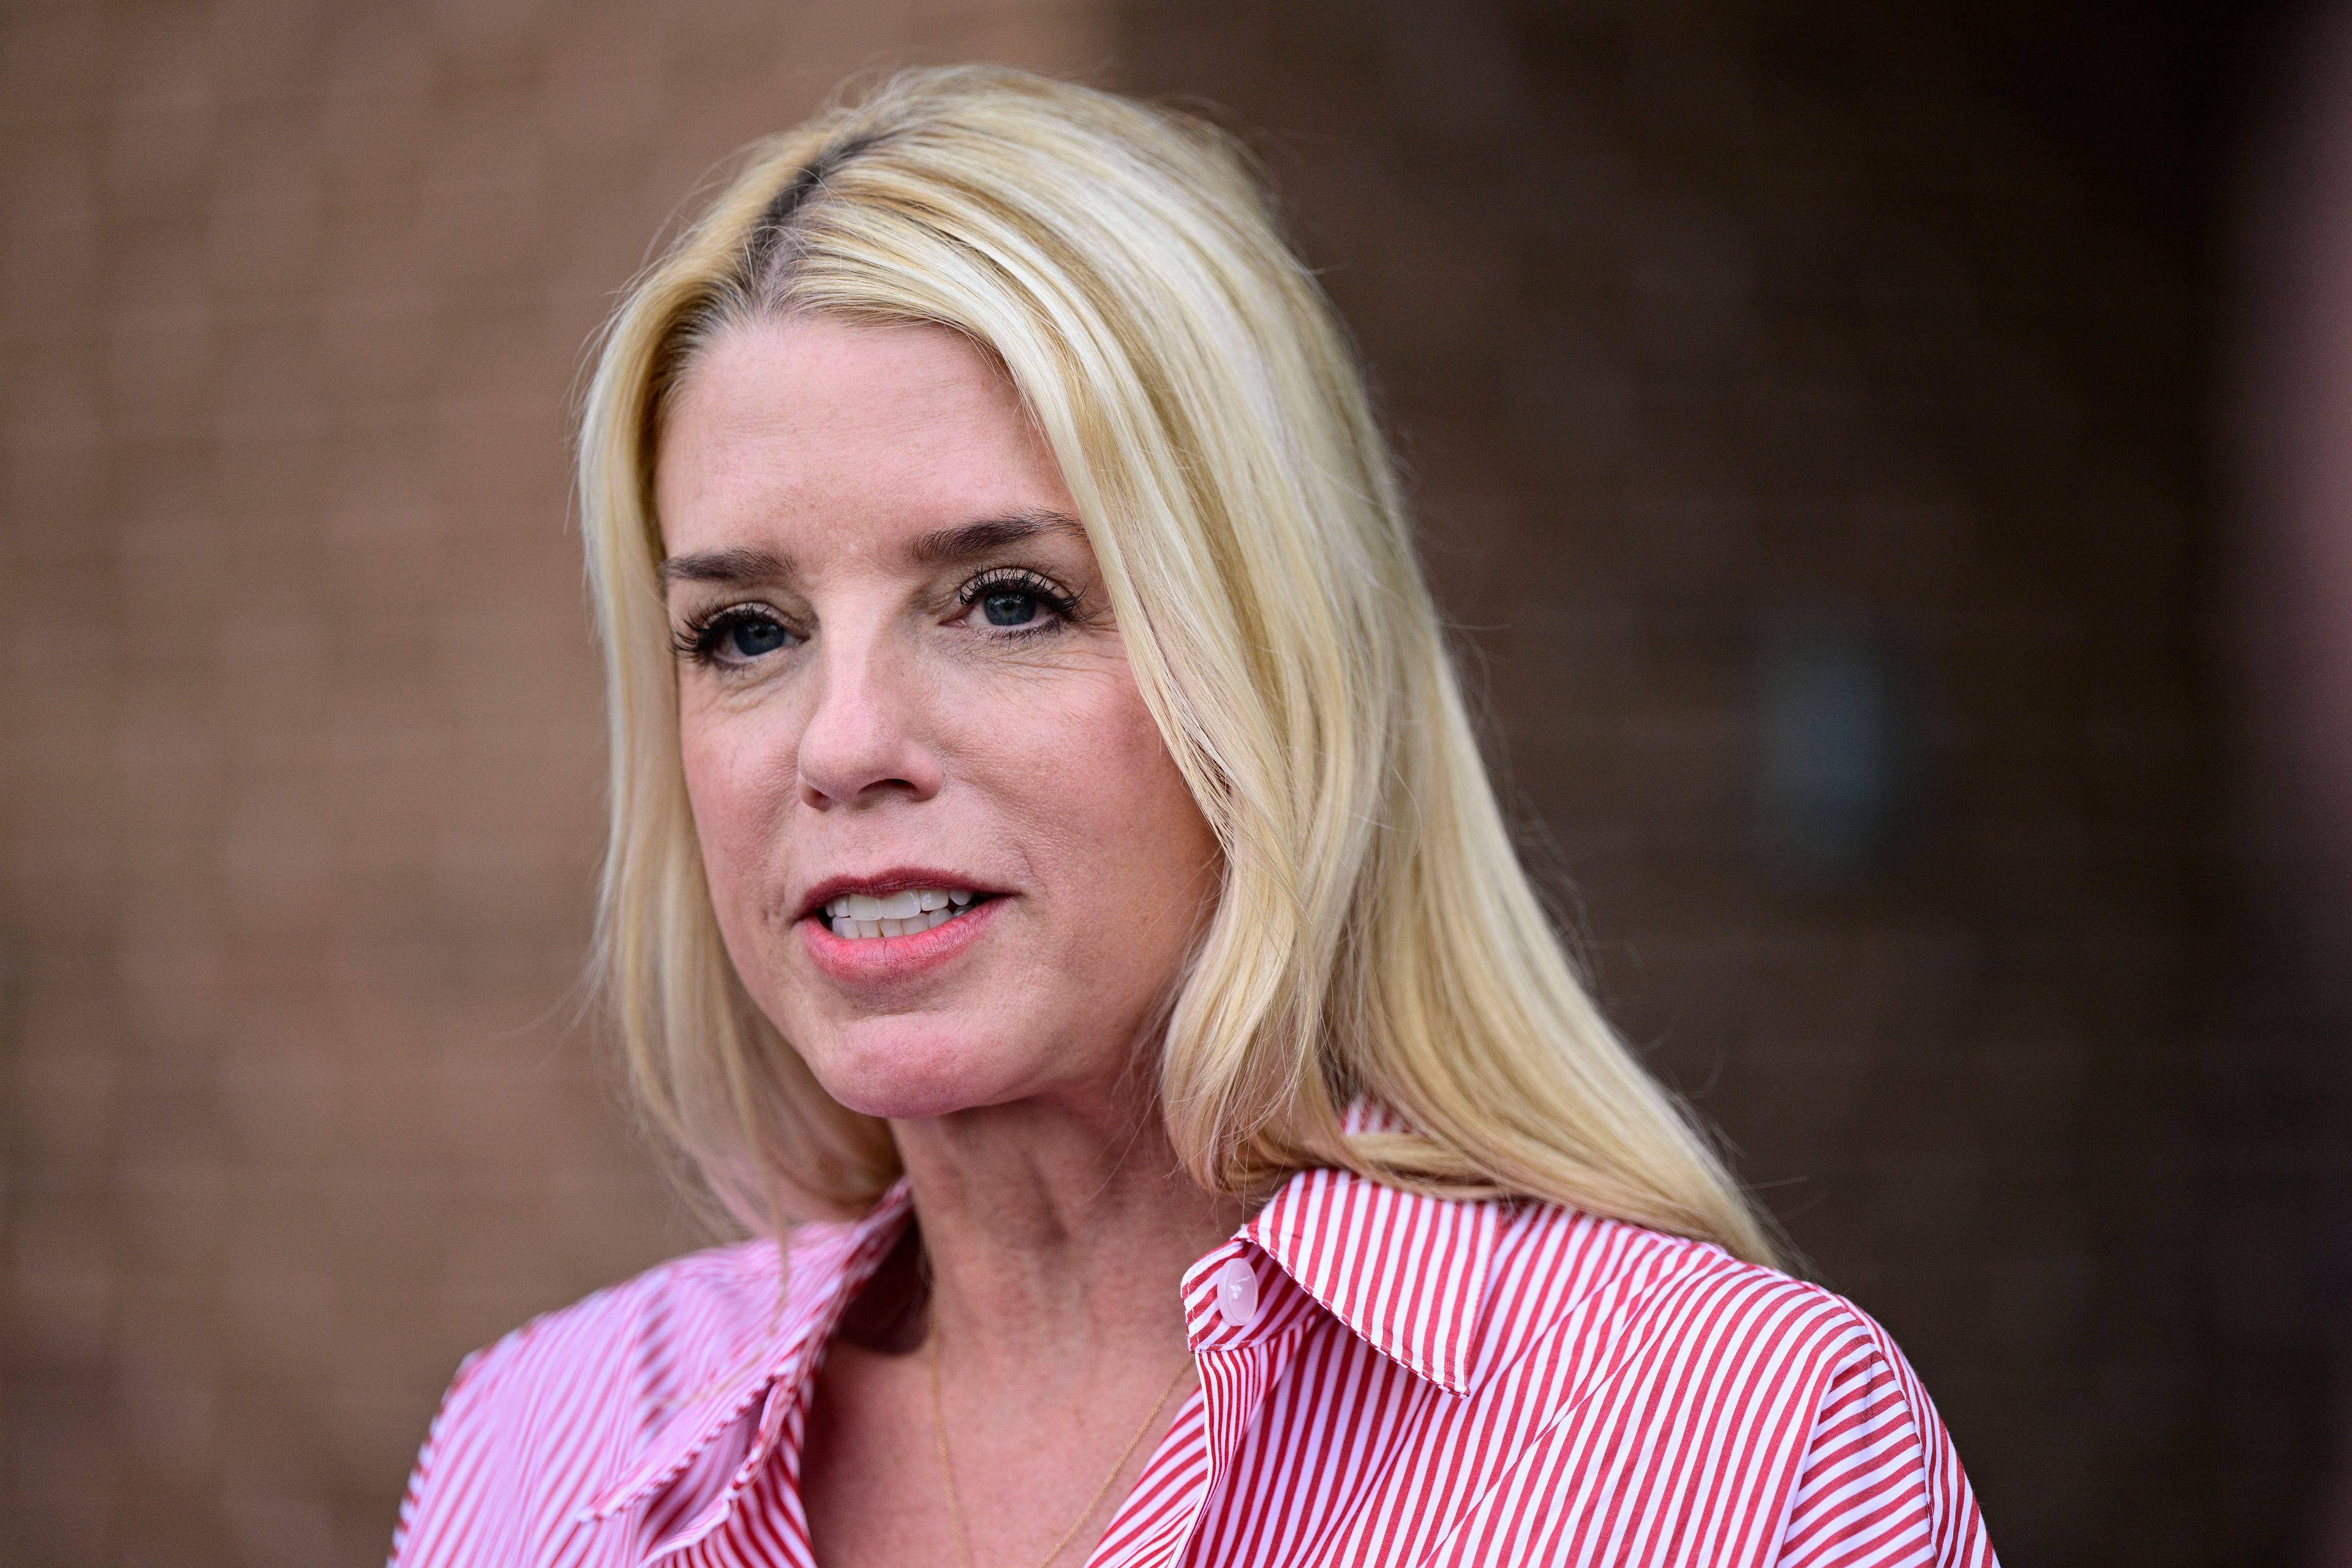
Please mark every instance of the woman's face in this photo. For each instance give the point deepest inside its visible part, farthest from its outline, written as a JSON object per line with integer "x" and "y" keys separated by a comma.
{"x": 951, "y": 858}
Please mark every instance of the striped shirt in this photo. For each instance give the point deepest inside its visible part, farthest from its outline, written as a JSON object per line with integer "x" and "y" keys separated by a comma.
{"x": 1384, "y": 1378}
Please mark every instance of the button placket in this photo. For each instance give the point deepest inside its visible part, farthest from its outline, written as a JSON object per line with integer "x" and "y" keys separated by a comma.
{"x": 1227, "y": 1310}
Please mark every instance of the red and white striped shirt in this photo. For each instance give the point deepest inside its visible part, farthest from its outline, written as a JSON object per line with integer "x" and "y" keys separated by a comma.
{"x": 1416, "y": 1381}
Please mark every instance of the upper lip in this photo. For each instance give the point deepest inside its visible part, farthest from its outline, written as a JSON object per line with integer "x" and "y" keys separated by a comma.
{"x": 877, "y": 884}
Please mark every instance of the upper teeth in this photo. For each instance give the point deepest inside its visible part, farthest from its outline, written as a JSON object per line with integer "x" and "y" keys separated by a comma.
{"x": 901, "y": 913}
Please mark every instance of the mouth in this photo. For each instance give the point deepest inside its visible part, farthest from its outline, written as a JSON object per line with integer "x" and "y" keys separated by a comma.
{"x": 894, "y": 928}
{"x": 872, "y": 909}
{"x": 860, "y": 917}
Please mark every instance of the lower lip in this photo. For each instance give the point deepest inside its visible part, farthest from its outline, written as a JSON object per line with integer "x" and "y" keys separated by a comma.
{"x": 878, "y": 959}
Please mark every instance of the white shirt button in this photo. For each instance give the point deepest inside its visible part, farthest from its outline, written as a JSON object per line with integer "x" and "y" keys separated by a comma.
{"x": 1237, "y": 1293}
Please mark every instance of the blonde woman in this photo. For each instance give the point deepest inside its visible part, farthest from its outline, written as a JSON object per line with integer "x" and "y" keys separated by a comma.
{"x": 1056, "y": 902}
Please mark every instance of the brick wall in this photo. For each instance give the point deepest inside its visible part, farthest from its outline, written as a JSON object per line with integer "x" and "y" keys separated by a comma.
{"x": 303, "y": 745}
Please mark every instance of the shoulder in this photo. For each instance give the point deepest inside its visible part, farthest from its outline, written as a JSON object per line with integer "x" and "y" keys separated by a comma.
{"x": 545, "y": 1418}
{"x": 657, "y": 1336}
{"x": 1621, "y": 1280}
{"x": 1696, "y": 1348}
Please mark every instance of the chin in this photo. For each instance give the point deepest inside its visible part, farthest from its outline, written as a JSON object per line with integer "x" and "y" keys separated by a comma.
{"x": 903, "y": 1073}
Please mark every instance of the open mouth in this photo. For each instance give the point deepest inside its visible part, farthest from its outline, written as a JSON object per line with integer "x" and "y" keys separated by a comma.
{"x": 854, "y": 916}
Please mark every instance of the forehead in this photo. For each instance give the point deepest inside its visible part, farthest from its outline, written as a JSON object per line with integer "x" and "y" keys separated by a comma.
{"x": 809, "y": 421}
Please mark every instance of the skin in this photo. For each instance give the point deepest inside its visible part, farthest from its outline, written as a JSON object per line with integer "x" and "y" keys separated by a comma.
{"x": 846, "y": 706}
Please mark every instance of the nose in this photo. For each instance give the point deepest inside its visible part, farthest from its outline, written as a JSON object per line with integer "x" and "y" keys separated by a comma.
{"x": 863, "y": 738}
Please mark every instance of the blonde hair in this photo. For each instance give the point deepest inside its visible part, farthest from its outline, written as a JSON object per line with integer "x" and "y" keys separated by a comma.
{"x": 1376, "y": 939}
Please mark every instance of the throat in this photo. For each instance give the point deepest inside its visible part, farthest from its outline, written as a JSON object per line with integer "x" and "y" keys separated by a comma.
{"x": 891, "y": 1314}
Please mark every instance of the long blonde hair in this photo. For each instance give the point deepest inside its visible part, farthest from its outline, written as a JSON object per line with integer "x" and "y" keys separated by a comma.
{"x": 1376, "y": 939}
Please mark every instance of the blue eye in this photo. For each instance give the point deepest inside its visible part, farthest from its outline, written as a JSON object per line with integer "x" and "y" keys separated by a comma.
{"x": 1015, "y": 599}
{"x": 1009, "y": 608}
{"x": 734, "y": 637}
{"x": 750, "y": 637}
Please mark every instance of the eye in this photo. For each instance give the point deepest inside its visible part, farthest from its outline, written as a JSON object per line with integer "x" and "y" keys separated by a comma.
{"x": 1016, "y": 599}
{"x": 733, "y": 635}
{"x": 750, "y": 636}
{"x": 1009, "y": 607}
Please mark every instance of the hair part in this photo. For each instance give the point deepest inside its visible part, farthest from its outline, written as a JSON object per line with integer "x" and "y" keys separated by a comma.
{"x": 1377, "y": 941}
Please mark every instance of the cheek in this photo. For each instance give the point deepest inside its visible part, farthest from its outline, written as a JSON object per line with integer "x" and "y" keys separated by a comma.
{"x": 1131, "y": 839}
{"x": 738, "y": 792}
{"x": 1156, "y": 804}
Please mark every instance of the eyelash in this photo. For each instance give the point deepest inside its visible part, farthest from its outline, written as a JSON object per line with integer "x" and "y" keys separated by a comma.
{"x": 1021, "y": 580}
{"x": 700, "y": 637}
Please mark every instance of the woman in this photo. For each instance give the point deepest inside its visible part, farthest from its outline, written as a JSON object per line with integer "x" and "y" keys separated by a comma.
{"x": 1056, "y": 902}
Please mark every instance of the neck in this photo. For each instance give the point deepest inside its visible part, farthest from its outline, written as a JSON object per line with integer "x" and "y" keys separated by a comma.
{"x": 1057, "y": 1232}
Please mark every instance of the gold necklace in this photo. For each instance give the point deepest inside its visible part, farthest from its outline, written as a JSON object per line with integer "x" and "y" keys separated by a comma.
{"x": 955, "y": 1508}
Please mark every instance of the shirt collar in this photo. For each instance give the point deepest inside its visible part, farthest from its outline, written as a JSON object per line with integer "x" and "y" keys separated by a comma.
{"x": 819, "y": 1281}
{"x": 1405, "y": 1271}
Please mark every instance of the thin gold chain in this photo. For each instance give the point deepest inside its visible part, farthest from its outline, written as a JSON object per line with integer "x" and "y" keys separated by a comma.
{"x": 940, "y": 1434}
{"x": 955, "y": 1507}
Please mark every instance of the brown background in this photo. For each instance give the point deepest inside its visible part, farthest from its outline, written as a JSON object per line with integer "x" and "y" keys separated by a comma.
{"x": 1697, "y": 322}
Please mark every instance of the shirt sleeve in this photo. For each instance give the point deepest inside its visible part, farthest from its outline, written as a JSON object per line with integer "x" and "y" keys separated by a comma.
{"x": 477, "y": 1496}
{"x": 1881, "y": 1483}
{"x": 438, "y": 1488}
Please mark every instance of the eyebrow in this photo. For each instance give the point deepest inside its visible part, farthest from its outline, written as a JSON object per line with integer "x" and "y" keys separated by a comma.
{"x": 741, "y": 564}
{"x": 738, "y": 564}
{"x": 963, "y": 542}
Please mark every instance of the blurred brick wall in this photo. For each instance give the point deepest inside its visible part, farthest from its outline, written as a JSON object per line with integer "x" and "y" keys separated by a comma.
{"x": 1703, "y": 319}
{"x": 301, "y": 745}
